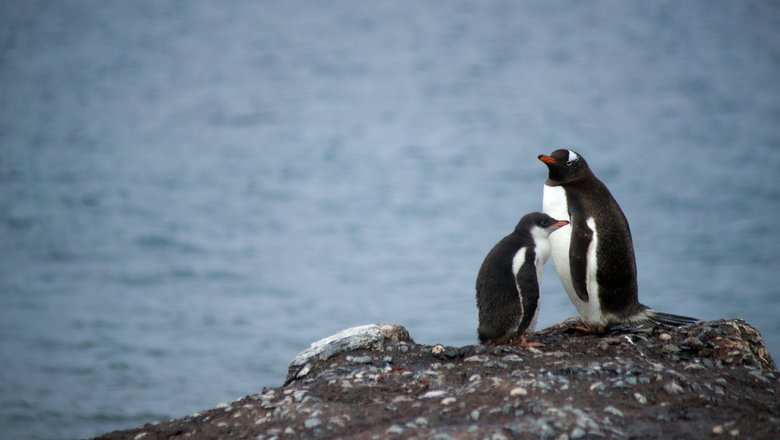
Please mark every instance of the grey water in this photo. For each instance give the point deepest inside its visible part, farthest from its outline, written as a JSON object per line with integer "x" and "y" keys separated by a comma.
{"x": 191, "y": 192}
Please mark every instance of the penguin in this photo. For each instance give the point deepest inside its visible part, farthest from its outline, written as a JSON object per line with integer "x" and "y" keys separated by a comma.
{"x": 509, "y": 279}
{"x": 594, "y": 254}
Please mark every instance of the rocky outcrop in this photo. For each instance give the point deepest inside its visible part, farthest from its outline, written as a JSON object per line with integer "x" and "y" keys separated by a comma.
{"x": 712, "y": 379}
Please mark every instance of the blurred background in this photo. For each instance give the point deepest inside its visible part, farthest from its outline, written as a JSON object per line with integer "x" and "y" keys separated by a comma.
{"x": 191, "y": 192}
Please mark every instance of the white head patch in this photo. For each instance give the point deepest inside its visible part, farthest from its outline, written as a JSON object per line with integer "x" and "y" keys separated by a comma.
{"x": 573, "y": 156}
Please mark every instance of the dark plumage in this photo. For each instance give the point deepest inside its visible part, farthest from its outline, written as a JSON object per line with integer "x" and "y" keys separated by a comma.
{"x": 509, "y": 278}
{"x": 594, "y": 257}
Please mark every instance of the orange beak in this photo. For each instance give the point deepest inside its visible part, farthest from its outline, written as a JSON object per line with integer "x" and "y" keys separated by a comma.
{"x": 562, "y": 223}
{"x": 546, "y": 159}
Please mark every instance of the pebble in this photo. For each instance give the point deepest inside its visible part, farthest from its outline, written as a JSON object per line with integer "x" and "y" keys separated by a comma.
{"x": 403, "y": 348}
{"x": 665, "y": 337}
{"x": 476, "y": 358}
{"x": 312, "y": 423}
{"x": 289, "y": 431}
{"x": 693, "y": 342}
{"x": 669, "y": 348}
{"x": 577, "y": 433}
{"x": 365, "y": 359}
{"x": 673, "y": 388}
{"x": 442, "y": 436}
{"x": 512, "y": 358}
{"x": 448, "y": 400}
{"x": 518, "y": 391}
{"x": 598, "y": 386}
{"x": 475, "y": 378}
{"x": 614, "y": 411}
{"x": 338, "y": 421}
{"x": 717, "y": 430}
{"x": 140, "y": 436}
{"x": 395, "y": 429}
{"x": 421, "y": 421}
{"x": 437, "y": 349}
{"x": 432, "y": 394}
{"x": 475, "y": 415}
{"x": 640, "y": 398}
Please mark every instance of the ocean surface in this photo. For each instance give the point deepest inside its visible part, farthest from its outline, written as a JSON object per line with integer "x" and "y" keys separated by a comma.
{"x": 191, "y": 192}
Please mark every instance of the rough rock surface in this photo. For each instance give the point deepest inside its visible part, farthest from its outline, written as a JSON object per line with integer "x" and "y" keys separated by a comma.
{"x": 709, "y": 380}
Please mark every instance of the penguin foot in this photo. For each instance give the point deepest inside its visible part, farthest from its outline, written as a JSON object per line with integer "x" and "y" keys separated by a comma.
{"x": 524, "y": 343}
{"x": 585, "y": 329}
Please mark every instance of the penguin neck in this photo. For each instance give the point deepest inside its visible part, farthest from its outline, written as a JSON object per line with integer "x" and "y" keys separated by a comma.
{"x": 582, "y": 179}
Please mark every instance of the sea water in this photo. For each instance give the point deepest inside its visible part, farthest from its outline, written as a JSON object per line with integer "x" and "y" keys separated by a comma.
{"x": 192, "y": 192}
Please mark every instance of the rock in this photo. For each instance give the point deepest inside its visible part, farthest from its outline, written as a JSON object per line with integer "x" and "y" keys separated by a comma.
{"x": 693, "y": 342}
{"x": 598, "y": 386}
{"x": 437, "y": 349}
{"x": 360, "y": 359}
{"x": 395, "y": 429}
{"x": 363, "y": 337}
{"x": 311, "y": 423}
{"x": 433, "y": 394}
{"x": 670, "y": 348}
{"x": 518, "y": 391}
{"x": 507, "y": 391}
{"x": 577, "y": 433}
{"x": 673, "y": 388}
{"x": 665, "y": 337}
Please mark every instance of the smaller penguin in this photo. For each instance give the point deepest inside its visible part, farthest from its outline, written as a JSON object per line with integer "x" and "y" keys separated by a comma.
{"x": 509, "y": 280}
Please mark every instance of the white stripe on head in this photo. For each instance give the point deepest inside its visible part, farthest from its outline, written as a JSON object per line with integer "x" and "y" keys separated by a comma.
{"x": 573, "y": 156}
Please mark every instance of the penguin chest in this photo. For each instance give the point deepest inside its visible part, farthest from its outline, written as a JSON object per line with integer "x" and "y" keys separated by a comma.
{"x": 555, "y": 205}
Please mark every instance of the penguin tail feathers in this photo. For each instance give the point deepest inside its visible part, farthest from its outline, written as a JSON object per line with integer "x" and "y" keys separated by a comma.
{"x": 657, "y": 317}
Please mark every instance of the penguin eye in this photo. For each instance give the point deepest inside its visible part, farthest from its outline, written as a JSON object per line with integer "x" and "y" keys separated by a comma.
{"x": 569, "y": 163}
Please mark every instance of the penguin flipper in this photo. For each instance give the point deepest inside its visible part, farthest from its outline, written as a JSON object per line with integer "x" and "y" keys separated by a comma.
{"x": 657, "y": 317}
{"x": 581, "y": 238}
{"x": 528, "y": 291}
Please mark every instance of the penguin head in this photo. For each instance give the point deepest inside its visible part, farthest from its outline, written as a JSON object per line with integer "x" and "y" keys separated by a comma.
{"x": 539, "y": 225}
{"x": 565, "y": 166}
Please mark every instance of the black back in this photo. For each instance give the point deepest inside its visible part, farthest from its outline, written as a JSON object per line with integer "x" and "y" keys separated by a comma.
{"x": 586, "y": 197}
{"x": 498, "y": 300}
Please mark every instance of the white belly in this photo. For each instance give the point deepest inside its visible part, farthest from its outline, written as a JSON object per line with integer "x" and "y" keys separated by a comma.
{"x": 554, "y": 204}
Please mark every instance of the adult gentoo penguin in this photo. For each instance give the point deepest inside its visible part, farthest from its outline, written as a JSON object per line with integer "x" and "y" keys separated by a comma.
{"x": 594, "y": 256}
{"x": 509, "y": 279}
